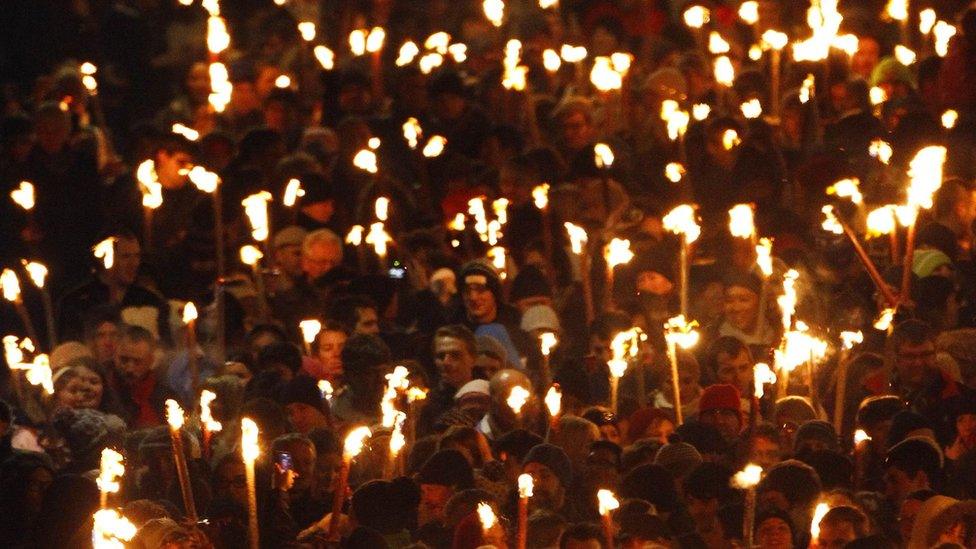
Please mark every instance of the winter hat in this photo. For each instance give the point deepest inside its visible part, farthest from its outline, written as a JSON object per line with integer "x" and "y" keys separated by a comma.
{"x": 742, "y": 279}
{"x": 67, "y": 352}
{"x": 667, "y": 82}
{"x": 705, "y": 438}
{"x": 301, "y": 390}
{"x": 719, "y": 397}
{"x": 797, "y": 481}
{"x": 653, "y": 484}
{"x": 818, "y": 430}
{"x": 157, "y": 533}
{"x": 919, "y": 452}
{"x": 875, "y": 409}
{"x": 447, "y": 468}
{"x": 905, "y": 422}
{"x": 481, "y": 272}
{"x": 87, "y": 430}
{"x": 488, "y": 345}
{"x": 384, "y": 505}
{"x": 289, "y": 236}
{"x": 655, "y": 260}
{"x": 469, "y": 534}
{"x": 530, "y": 282}
{"x": 473, "y": 387}
{"x": 922, "y": 531}
{"x": 642, "y": 418}
{"x": 517, "y": 443}
{"x": 925, "y": 262}
{"x": 554, "y": 458}
{"x": 834, "y": 469}
{"x": 679, "y": 458}
{"x": 540, "y": 317}
{"x": 795, "y": 407}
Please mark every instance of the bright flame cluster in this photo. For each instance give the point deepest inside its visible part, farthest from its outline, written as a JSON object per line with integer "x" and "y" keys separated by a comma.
{"x": 682, "y": 221}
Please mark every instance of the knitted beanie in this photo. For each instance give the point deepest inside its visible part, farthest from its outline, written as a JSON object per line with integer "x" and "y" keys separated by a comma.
{"x": 679, "y": 458}
{"x": 302, "y": 390}
{"x": 481, "y": 272}
{"x": 818, "y": 430}
{"x": 540, "y": 317}
{"x": 555, "y": 459}
{"x": 795, "y": 480}
{"x": 719, "y": 397}
{"x": 447, "y": 468}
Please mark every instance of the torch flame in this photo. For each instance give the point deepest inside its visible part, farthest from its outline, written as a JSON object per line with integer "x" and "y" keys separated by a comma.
{"x": 681, "y": 220}
{"x": 881, "y": 221}
{"x": 486, "y": 515}
{"x": 884, "y": 320}
{"x": 742, "y": 222}
{"x": 881, "y": 150}
{"x": 751, "y": 109}
{"x": 23, "y": 195}
{"x": 218, "y": 39}
{"x": 850, "y": 339}
{"x": 847, "y": 188}
{"x": 379, "y": 238}
{"x": 174, "y": 415}
{"x": 604, "y": 155}
{"x": 525, "y": 485}
{"x": 494, "y": 12}
{"x": 618, "y": 252}
{"x": 775, "y": 39}
{"x": 749, "y": 12}
{"x": 355, "y": 236}
{"x": 554, "y": 401}
{"x": 152, "y": 189}
{"x": 547, "y": 340}
{"x": 818, "y": 515}
{"x": 110, "y": 529}
{"x": 926, "y": 173}
{"x": 577, "y": 237}
{"x": 382, "y": 208}
{"x": 764, "y": 256}
{"x": 204, "y": 180}
{"x": 748, "y": 477}
{"x": 325, "y": 57}
{"x": 607, "y": 501}
{"x": 674, "y": 172}
{"x": 10, "y": 285}
{"x": 250, "y": 255}
{"x": 365, "y": 160}
{"x": 412, "y": 132}
{"x": 256, "y": 210}
{"x": 949, "y": 119}
{"x": 551, "y": 60}
{"x": 681, "y": 332}
{"x": 397, "y": 439}
{"x": 307, "y": 30}
{"x": 717, "y": 44}
{"x": 36, "y": 271}
{"x": 830, "y": 223}
{"x": 375, "y": 39}
{"x": 724, "y": 71}
{"x": 206, "y": 417}
{"x": 249, "y": 440}
{"x": 416, "y": 393}
{"x": 435, "y": 146}
{"x": 763, "y": 374}
{"x": 110, "y": 470}
{"x": 517, "y": 398}
{"x": 860, "y": 436}
{"x": 696, "y": 16}
{"x": 310, "y": 329}
{"x": 540, "y": 196}
{"x": 353, "y": 444}
{"x": 189, "y": 312}
{"x": 926, "y": 20}
{"x": 325, "y": 387}
{"x": 293, "y": 191}
{"x": 943, "y": 33}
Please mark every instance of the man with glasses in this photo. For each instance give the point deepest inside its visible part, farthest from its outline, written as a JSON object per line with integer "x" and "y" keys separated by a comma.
{"x": 918, "y": 379}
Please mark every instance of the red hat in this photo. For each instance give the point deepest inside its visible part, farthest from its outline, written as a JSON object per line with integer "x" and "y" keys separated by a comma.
{"x": 719, "y": 397}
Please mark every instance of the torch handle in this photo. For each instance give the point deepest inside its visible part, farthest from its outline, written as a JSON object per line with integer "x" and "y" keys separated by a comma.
{"x": 252, "y": 506}
{"x": 183, "y": 473}
{"x": 337, "y": 499}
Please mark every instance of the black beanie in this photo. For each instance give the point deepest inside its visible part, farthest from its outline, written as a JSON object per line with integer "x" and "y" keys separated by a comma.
{"x": 555, "y": 459}
{"x": 741, "y": 279}
{"x": 797, "y": 481}
{"x": 653, "y": 484}
{"x": 656, "y": 260}
{"x": 905, "y": 422}
{"x": 447, "y": 468}
{"x": 482, "y": 268}
{"x": 530, "y": 282}
{"x": 517, "y": 443}
{"x": 875, "y": 409}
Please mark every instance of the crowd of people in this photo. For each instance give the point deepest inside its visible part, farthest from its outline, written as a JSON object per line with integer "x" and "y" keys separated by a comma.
{"x": 435, "y": 232}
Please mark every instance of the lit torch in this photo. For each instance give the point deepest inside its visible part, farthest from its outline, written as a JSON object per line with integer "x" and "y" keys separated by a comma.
{"x": 607, "y": 502}
{"x": 208, "y": 424}
{"x": 250, "y": 450}
{"x": 175, "y": 419}
{"x": 682, "y": 221}
{"x": 747, "y": 479}
{"x": 352, "y": 446}
{"x": 525, "y": 486}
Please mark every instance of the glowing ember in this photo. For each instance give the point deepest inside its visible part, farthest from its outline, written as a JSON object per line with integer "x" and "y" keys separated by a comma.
{"x": 682, "y": 221}
{"x": 206, "y": 416}
{"x": 105, "y": 250}
{"x": 748, "y": 477}
{"x": 250, "y": 255}
{"x": 250, "y": 450}
{"x": 742, "y": 222}
{"x": 553, "y": 400}
{"x": 256, "y": 210}
{"x": 763, "y": 374}
{"x": 354, "y": 442}
{"x": 607, "y": 501}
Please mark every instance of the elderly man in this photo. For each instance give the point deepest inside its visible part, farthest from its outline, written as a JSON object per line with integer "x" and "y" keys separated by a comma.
{"x": 321, "y": 254}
